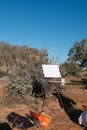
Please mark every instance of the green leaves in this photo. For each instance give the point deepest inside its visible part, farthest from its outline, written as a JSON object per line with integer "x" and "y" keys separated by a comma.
{"x": 78, "y": 53}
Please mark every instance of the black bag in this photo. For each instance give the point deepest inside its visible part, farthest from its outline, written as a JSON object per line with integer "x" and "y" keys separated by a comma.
{"x": 19, "y": 121}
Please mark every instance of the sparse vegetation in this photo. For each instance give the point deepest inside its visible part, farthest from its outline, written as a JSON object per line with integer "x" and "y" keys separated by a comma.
{"x": 22, "y": 72}
{"x": 22, "y": 66}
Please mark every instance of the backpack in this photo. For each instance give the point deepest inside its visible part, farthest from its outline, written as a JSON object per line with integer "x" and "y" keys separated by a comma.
{"x": 19, "y": 121}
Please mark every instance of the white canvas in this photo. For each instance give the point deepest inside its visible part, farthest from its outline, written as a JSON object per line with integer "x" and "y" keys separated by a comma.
{"x": 51, "y": 71}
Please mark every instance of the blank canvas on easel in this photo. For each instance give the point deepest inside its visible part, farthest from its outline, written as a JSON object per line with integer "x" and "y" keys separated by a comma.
{"x": 51, "y": 71}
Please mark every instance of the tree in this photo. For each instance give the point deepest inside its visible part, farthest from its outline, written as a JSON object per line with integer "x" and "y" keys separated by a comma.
{"x": 6, "y": 54}
{"x": 9, "y": 54}
{"x": 69, "y": 68}
{"x": 78, "y": 53}
{"x": 21, "y": 64}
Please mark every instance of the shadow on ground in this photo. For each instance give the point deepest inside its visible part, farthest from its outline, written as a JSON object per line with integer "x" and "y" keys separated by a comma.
{"x": 5, "y": 126}
{"x": 69, "y": 107}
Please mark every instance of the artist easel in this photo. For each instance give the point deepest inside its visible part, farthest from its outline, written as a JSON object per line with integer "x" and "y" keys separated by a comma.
{"x": 52, "y": 76}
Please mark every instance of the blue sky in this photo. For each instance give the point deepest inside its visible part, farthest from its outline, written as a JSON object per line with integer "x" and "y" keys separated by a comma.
{"x": 51, "y": 24}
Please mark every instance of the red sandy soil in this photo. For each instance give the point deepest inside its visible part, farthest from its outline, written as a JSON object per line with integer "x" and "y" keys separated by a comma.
{"x": 60, "y": 119}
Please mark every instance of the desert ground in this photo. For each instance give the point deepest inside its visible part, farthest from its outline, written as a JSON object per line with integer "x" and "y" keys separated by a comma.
{"x": 64, "y": 114}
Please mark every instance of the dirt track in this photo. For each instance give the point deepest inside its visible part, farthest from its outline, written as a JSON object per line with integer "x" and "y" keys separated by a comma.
{"x": 62, "y": 118}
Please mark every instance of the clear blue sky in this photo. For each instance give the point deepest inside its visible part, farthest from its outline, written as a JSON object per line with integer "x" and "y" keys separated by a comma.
{"x": 52, "y": 24}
